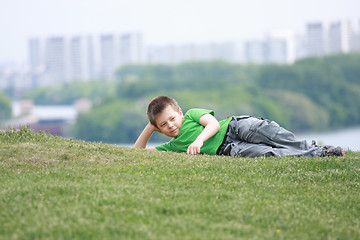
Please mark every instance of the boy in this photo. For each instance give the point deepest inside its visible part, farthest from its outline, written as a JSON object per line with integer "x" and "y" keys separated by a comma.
{"x": 198, "y": 131}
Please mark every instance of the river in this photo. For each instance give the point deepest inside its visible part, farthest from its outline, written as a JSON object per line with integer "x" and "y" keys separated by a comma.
{"x": 349, "y": 139}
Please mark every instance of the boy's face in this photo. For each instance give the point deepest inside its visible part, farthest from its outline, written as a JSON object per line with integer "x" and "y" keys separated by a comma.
{"x": 169, "y": 121}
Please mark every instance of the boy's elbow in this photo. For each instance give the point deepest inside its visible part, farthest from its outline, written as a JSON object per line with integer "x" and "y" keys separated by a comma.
{"x": 139, "y": 145}
{"x": 215, "y": 125}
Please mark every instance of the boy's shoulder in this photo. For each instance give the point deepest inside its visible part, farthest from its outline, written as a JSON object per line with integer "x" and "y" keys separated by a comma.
{"x": 197, "y": 113}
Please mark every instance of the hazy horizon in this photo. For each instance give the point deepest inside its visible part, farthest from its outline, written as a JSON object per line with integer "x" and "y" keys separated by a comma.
{"x": 160, "y": 21}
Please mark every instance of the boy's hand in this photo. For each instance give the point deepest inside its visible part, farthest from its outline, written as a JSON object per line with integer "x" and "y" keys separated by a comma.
{"x": 194, "y": 148}
{"x": 153, "y": 128}
{"x": 211, "y": 127}
{"x": 156, "y": 129}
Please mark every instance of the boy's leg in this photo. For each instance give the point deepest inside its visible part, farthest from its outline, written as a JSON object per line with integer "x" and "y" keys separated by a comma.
{"x": 259, "y": 131}
{"x": 244, "y": 149}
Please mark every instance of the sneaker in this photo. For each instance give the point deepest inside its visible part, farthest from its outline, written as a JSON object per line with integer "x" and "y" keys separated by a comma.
{"x": 332, "y": 151}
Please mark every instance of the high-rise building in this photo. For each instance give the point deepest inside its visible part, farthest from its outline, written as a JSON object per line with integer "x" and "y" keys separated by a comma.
{"x": 330, "y": 38}
{"x": 60, "y": 59}
{"x": 76, "y": 66}
{"x": 355, "y": 42}
{"x": 300, "y": 46}
{"x": 108, "y": 60}
{"x": 35, "y": 54}
{"x": 316, "y": 39}
{"x": 64, "y": 59}
{"x": 131, "y": 48}
{"x": 278, "y": 47}
{"x": 339, "y": 37}
{"x": 281, "y": 47}
{"x": 120, "y": 50}
{"x": 56, "y": 60}
{"x": 36, "y": 61}
{"x": 81, "y": 58}
{"x": 355, "y": 38}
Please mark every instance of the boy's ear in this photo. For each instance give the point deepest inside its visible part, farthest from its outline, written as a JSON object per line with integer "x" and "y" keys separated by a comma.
{"x": 181, "y": 113}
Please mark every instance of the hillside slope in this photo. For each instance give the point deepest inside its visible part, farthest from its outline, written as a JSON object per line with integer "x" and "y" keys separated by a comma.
{"x": 56, "y": 188}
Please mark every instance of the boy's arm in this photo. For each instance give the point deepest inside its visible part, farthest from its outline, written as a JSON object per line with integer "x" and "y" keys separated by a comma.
{"x": 211, "y": 125}
{"x": 145, "y": 136}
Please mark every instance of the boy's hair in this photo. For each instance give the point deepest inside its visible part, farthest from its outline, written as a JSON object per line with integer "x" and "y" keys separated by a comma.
{"x": 157, "y": 105}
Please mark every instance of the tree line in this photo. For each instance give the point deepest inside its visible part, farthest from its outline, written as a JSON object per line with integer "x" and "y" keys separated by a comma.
{"x": 311, "y": 94}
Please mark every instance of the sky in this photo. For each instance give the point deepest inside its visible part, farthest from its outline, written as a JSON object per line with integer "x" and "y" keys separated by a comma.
{"x": 160, "y": 21}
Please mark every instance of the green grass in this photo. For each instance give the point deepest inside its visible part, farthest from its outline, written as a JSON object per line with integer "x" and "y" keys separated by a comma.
{"x": 56, "y": 188}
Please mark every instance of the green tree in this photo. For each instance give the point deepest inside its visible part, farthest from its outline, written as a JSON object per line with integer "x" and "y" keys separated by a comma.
{"x": 66, "y": 94}
{"x": 115, "y": 122}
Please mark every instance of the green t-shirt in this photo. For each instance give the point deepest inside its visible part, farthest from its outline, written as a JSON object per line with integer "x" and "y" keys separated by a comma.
{"x": 190, "y": 129}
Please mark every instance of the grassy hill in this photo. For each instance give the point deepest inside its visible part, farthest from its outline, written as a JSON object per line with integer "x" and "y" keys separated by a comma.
{"x": 56, "y": 188}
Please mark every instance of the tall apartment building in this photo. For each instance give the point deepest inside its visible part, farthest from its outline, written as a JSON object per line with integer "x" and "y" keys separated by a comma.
{"x": 61, "y": 59}
{"x": 108, "y": 50}
{"x": 355, "y": 38}
{"x": 36, "y": 60}
{"x": 339, "y": 37}
{"x": 118, "y": 50}
{"x": 281, "y": 47}
{"x": 278, "y": 47}
{"x": 300, "y": 46}
{"x": 131, "y": 48}
{"x": 56, "y": 60}
{"x": 81, "y": 58}
{"x": 355, "y": 42}
{"x": 35, "y": 54}
{"x": 316, "y": 39}
{"x": 330, "y": 38}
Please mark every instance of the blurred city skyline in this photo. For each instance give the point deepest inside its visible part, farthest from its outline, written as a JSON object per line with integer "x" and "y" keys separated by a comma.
{"x": 161, "y": 21}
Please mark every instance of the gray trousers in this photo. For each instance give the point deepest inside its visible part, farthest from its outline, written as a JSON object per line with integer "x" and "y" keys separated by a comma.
{"x": 254, "y": 137}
